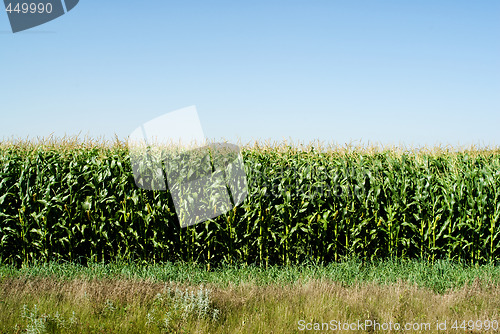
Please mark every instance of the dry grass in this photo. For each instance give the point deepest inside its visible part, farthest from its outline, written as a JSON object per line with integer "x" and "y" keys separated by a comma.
{"x": 246, "y": 308}
{"x": 320, "y": 302}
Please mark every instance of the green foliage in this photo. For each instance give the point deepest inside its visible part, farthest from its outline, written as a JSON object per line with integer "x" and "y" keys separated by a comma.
{"x": 37, "y": 323}
{"x": 81, "y": 203}
{"x": 440, "y": 276}
{"x": 180, "y": 305}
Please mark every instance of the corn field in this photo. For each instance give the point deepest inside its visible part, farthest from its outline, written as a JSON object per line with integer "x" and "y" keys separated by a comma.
{"x": 79, "y": 202}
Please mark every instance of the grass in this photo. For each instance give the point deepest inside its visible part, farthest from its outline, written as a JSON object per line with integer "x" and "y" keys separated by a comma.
{"x": 186, "y": 298}
{"x": 439, "y": 277}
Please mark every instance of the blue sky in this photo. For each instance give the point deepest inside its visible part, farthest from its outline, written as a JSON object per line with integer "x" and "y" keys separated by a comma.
{"x": 391, "y": 72}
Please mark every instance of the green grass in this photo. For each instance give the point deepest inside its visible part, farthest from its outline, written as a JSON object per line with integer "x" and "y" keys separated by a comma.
{"x": 439, "y": 277}
{"x": 186, "y": 298}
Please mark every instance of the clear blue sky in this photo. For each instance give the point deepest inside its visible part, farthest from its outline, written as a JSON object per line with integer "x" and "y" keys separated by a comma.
{"x": 392, "y": 72}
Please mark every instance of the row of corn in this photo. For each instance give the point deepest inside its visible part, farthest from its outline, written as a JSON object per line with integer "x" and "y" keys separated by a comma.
{"x": 80, "y": 203}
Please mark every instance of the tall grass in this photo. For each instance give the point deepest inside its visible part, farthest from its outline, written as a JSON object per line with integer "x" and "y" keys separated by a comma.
{"x": 41, "y": 299}
{"x": 441, "y": 277}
